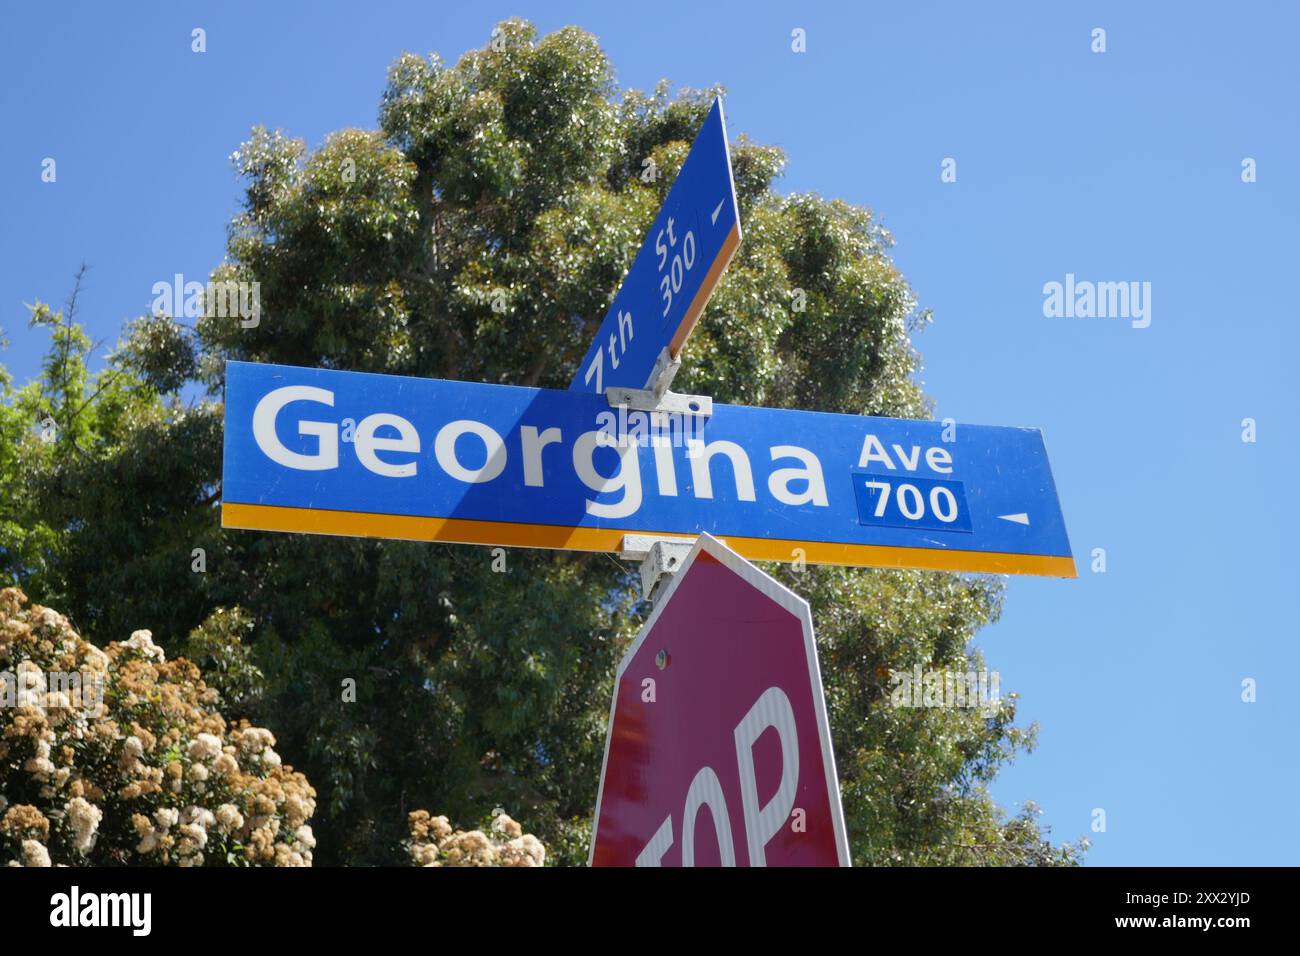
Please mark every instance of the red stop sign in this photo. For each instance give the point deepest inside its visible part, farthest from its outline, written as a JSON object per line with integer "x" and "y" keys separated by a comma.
{"x": 718, "y": 751}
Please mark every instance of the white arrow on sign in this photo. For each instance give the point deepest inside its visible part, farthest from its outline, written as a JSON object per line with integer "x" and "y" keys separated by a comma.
{"x": 1020, "y": 518}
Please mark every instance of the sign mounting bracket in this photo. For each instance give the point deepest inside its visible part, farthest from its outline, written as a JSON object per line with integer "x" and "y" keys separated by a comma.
{"x": 660, "y": 556}
{"x": 657, "y": 397}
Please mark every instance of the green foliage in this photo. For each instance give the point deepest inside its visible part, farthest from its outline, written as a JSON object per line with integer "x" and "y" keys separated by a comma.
{"x": 219, "y": 648}
{"x": 480, "y": 234}
{"x": 160, "y": 352}
{"x": 913, "y": 779}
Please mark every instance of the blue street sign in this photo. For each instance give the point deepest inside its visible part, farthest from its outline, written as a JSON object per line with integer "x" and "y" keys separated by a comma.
{"x": 353, "y": 453}
{"x": 689, "y": 245}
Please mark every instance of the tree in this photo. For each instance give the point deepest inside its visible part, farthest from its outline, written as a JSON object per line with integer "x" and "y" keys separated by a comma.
{"x": 480, "y": 234}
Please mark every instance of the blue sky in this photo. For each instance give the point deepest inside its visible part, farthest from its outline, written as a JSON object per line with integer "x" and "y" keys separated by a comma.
{"x": 1119, "y": 166}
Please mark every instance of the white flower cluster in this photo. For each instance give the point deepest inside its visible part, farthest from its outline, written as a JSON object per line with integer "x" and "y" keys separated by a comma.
{"x": 84, "y": 817}
{"x": 142, "y": 643}
{"x": 434, "y": 843}
{"x": 181, "y": 786}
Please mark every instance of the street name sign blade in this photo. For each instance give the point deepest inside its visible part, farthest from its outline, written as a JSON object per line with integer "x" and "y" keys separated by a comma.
{"x": 718, "y": 750}
{"x": 679, "y": 263}
{"x": 369, "y": 455}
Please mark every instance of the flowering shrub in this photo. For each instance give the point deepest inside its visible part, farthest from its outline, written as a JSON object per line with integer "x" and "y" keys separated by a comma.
{"x": 434, "y": 843}
{"x": 130, "y": 762}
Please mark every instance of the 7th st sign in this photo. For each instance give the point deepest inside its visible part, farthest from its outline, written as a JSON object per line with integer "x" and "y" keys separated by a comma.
{"x": 680, "y": 262}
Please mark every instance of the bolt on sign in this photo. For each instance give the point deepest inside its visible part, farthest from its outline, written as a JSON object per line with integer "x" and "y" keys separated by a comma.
{"x": 718, "y": 750}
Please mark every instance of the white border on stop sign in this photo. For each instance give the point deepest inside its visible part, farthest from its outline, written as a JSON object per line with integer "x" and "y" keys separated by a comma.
{"x": 791, "y": 602}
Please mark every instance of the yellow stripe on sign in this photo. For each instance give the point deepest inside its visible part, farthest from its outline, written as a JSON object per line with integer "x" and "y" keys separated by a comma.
{"x": 362, "y": 524}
